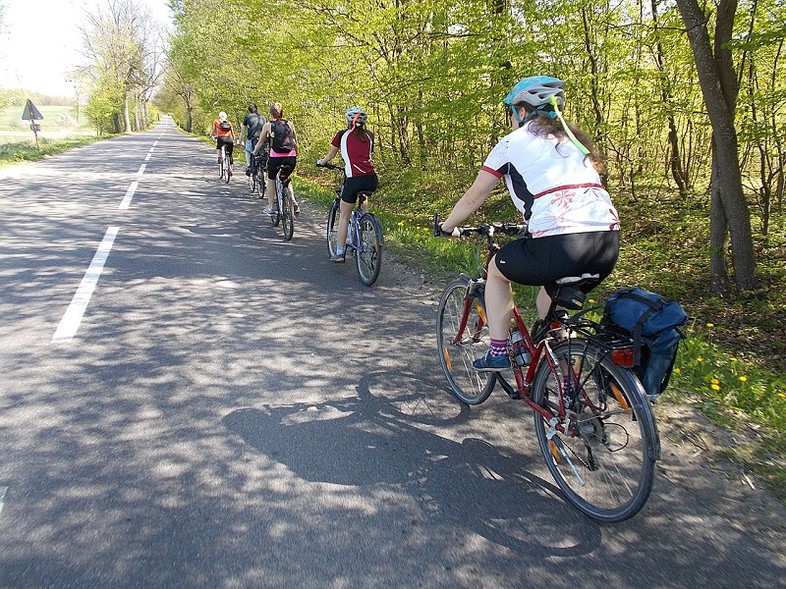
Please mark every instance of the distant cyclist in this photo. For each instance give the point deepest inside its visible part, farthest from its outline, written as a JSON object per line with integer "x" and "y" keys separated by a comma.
{"x": 356, "y": 144}
{"x": 553, "y": 179}
{"x": 280, "y": 133}
{"x": 249, "y": 132}
{"x": 224, "y": 135}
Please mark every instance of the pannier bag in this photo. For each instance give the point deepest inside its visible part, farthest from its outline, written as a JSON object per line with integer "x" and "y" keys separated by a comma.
{"x": 653, "y": 323}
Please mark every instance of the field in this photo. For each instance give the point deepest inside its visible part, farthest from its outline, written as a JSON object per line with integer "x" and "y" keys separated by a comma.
{"x": 58, "y": 122}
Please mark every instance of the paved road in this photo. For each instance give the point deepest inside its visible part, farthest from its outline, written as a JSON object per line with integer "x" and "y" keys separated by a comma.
{"x": 231, "y": 411}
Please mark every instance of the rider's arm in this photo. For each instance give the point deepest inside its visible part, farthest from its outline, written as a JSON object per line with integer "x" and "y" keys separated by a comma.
{"x": 473, "y": 198}
{"x": 243, "y": 133}
{"x": 330, "y": 155}
{"x": 263, "y": 135}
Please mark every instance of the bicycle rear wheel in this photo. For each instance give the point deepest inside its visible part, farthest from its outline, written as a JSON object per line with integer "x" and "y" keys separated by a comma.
{"x": 259, "y": 182}
{"x": 332, "y": 228}
{"x": 287, "y": 208}
{"x": 605, "y": 465}
{"x": 462, "y": 336}
{"x": 368, "y": 257}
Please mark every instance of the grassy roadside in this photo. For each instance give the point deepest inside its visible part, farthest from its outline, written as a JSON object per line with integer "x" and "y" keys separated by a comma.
{"x": 731, "y": 365}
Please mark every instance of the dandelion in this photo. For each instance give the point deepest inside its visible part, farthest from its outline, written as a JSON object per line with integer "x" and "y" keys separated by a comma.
{"x": 783, "y": 395}
{"x": 715, "y": 387}
{"x": 744, "y": 378}
{"x": 714, "y": 381}
{"x": 699, "y": 359}
{"x": 401, "y": 223}
{"x": 710, "y": 325}
{"x": 592, "y": 301}
{"x": 733, "y": 358}
{"x": 677, "y": 371}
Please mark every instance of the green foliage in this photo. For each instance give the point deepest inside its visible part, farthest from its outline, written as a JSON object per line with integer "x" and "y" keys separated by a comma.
{"x": 26, "y": 151}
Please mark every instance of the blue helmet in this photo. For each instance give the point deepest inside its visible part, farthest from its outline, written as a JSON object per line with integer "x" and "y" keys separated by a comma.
{"x": 356, "y": 116}
{"x": 537, "y": 91}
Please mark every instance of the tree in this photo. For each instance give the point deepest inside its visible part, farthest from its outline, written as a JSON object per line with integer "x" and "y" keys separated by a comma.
{"x": 729, "y": 212}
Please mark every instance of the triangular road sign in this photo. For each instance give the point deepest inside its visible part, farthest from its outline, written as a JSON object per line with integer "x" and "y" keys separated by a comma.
{"x": 31, "y": 113}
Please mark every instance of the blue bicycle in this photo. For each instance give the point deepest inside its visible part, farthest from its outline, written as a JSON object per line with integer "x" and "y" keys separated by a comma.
{"x": 364, "y": 238}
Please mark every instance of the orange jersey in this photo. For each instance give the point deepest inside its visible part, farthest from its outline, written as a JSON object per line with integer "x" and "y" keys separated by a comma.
{"x": 221, "y": 132}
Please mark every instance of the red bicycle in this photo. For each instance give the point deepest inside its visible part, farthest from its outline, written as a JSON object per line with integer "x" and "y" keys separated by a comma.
{"x": 592, "y": 418}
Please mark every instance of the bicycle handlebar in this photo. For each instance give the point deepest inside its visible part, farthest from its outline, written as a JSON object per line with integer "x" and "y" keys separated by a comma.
{"x": 329, "y": 166}
{"x": 487, "y": 229}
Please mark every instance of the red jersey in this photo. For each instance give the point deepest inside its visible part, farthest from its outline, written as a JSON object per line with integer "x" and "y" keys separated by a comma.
{"x": 355, "y": 152}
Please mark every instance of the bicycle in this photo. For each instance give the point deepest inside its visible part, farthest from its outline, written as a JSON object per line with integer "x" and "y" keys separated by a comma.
{"x": 593, "y": 421}
{"x": 364, "y": 236}
{"x": 284, "y": 212}
{"x": 257, "y": 182}
{"x": 224, "y": 165}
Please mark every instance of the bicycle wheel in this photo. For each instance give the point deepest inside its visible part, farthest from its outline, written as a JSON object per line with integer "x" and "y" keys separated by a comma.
{"x": 332, "y": 228}
{"x": 259, "y": 182}
{"x": 462, "y": 336}
{"x": 252, "y": 181}
{"x": 368, "y": 257}
{"x": 605, "y": 466}
{"x": 287, "y": 208}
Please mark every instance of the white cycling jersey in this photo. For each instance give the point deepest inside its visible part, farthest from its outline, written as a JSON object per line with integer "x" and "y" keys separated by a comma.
{"x": 552, "y": 183}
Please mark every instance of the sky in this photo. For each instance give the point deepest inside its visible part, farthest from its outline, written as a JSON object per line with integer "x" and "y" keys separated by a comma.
{"x": 40, "y": 41}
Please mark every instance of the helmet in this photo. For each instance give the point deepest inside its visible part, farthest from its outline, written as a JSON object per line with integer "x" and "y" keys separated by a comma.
{"x": 356, "y": 116}
{"x": 222, "y": 116}
{"x": 537, "y": 91}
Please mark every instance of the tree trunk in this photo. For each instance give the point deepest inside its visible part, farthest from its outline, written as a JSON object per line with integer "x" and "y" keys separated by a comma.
{"x": 126, "y": 114}
{"x": 718, "y": 86}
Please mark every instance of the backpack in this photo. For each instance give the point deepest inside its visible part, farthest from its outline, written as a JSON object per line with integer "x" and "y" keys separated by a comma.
{"x": 652, "y": 322}
{"x": 224, "y": 126}
{"x": 283, "y": 137}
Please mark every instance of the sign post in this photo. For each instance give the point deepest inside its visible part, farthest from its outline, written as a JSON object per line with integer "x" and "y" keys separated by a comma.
{"x": 32, "y": 114}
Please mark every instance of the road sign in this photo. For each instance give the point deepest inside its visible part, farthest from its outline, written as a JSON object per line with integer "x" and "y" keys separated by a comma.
{"x": 31, "y": 113}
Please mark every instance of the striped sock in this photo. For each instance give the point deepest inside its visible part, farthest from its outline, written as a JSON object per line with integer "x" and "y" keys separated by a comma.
{"x": 498, "y": 347}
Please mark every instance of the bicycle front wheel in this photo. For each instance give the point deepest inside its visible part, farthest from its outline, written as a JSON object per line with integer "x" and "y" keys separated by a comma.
{"x": 332, "y": 228}
{"x": 259, "y": 182}
{"x": 462, "y": 336}
{"x": 368, "y": 257}
{"x": 605, "y": 464}
{"x": 287, "y": 208}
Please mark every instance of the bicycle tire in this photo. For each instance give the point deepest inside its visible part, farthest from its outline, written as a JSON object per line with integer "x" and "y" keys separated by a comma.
{"x": 331, "y": 234}
{"x": 252, "y": 182}
{"x": 467, "y": 384}
{"x": 287, "y": 208}
{"x": 259, "y": 181}
{"x": 368, "y": 257}
{"x": 607, "y": 468}
{"x": 221, "y": 165}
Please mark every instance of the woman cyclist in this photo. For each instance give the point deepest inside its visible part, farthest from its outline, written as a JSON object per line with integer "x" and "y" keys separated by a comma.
{"x": 224, "y": 135}
{"x": 283, "y": 152}
{"x": 356, "y": 144}
{"x": 554, "y": 179}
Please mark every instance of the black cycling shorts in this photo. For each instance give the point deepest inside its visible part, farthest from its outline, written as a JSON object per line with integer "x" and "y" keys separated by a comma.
{"x": 225, "y": 140}
{"x": 357, "y": 184}
{"x": 275, "y": 163}
{"x": 542, "y": 261}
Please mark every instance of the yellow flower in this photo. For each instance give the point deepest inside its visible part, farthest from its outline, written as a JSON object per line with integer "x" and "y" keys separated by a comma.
{"x": 401, "y": 223}
{"x": 677, "y": 371}
{"x": 733, "y": 358}
{"x": 714, "y": 381}
{"x": 592, "y": 301}
{"x": 744, "y": 378}
{"x": 710, "y": 325}
{"x": 715, "y": 387}
{"x": 782, "y": 395}
{"x": 699, "y": 359}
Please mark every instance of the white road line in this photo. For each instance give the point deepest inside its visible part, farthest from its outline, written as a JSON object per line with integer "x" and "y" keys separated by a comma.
{"x": 70, "y": 322}
{"x": 126, "y": 202}
{"x": 3, "y": 491}
{"x": 148, "y": 156}
{"x": 141, "y": 169}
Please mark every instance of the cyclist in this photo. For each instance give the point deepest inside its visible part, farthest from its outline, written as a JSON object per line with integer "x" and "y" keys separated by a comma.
{"x": 280, "y": 134}
{"x": 553, "y": 176}
{"x": 249, "y": 132}
{"x": 224, "y": 135}
{"x": 356, "y": 144}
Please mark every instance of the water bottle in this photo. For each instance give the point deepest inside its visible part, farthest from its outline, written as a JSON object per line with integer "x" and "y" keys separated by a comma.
{"x": 520, "y": 352}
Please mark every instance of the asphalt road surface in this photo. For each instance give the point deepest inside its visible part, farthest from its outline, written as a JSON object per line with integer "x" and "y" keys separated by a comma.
{"x": 188, "y": 401}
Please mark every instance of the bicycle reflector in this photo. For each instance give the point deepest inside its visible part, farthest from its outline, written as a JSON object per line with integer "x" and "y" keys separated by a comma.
{"x": 623, "y": 357}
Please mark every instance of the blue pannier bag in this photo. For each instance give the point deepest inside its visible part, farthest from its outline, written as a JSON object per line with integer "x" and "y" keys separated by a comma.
{"x": 653, "y": 323}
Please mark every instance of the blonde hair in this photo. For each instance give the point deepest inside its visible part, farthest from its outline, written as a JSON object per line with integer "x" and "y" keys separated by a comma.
{"x": 276, "y": 110}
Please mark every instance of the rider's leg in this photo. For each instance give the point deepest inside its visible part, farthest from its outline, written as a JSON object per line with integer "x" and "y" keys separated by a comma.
{"x": 499, "y": 311}
{"x": 543, "y": 302}
{"x": 345, "y": 211}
